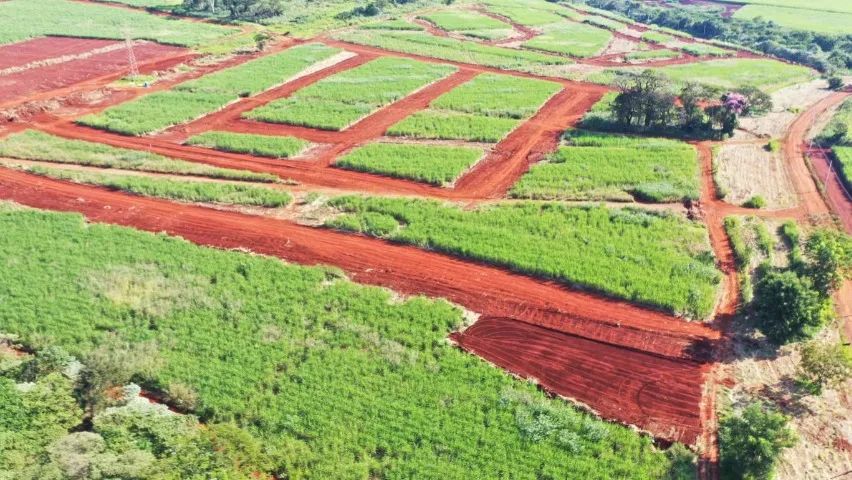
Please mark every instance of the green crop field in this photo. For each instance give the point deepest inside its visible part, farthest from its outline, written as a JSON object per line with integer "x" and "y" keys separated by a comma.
{"x": 195, "y": 98}
{"x": 184, "y": 190}
{"x": 337, "y": 102}
{"x": 434, "y": 164}
{"x": 604, "y": 22}
{"x": 841, "y": 6}
{"x": 652, "y": 54}
{"x": 731, "y": 73}
{"x": 260, "y": 145}
{"x": 574, "y": 39}
{"x": 327, "y": 378}
{"x": 529, "y": 15}
{"x": 616, "y": 168}
{"x": 396, "y": 24}
{"x": 843, "y": 158}
{"x": 828, "y": 22}
{"x": 657, "y": 37}
{"x": 701, "y": 49}
{"x": 484, "y": 109}
{"x": 472, "y": 24}
{"x": 77, "y": 19}
{"x": 651, "y": 258}
{"x": 421, "y": 43}
{"x": 34, "y": 145}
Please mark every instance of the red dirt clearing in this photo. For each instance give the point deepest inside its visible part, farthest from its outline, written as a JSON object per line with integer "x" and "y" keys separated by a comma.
{"x": 18, "y": 86}
{"x": 38, "y": 49}
{"x": 659, "y": 395}
{"x": 652, "y": 338}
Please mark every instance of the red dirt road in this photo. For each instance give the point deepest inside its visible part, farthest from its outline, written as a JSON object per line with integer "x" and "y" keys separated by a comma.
{"x": 651, "y": 338}
{"x": 656, "y": 394}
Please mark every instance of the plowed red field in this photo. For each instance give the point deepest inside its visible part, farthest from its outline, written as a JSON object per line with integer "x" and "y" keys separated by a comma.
{"x": 39, "y": 49}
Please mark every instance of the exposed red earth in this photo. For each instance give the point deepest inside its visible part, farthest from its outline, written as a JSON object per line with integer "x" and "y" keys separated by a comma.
{"x": 18, "y": 86}
{"x": 838, "y": 197}
{"x": 44, "y": 48}
{"x": 524, "y": 32}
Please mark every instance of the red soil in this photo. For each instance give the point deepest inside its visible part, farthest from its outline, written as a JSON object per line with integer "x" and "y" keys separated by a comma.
{"x": 656, "y": 394}
{"x": 38, "y": 49}
{"x": 431, "y": 28}
{"x": 838, "y": 197}
{"x": 27, "y": 85}
{"x": 661, "y": 396}
{"x": 524, "y": 32}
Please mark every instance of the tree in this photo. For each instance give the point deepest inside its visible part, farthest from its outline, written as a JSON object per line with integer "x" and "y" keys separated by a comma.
{"x": 835, "y": 82}
{"x": 824, "y": 365}
{"x": 787, "y": 308}
{"x": 829, "y": 254}
{"x": 242, "y": 9}
{"x": 691, "y": 97}
{"x": 751, "y": 441}
{"x": 646, "y": 101}
{"x": 758, "y": 102}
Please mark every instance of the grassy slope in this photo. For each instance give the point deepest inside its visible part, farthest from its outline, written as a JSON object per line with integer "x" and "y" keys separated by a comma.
{"x": 645, "y": 257}
{"x": 340, "y": 379}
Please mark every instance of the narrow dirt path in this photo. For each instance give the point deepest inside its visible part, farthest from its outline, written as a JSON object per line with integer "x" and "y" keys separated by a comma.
{"x": 619, "y": 337}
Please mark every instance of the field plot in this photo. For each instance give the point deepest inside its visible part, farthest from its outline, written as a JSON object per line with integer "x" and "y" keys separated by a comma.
{"x": 484, "y": 109}
{"x": 207, "y": 94}
{"x": 34, "y": 145}
{"x": 532, "y": 14}
{"x": 613, "y": 167}
{"x": 805, "y": 18}
{"x": 701, "y": 49}
{"x": 574, "y": 39}
{"x": 395, "y": 24}
{"x": 745, "y": 171}
{"x": 183, "y": 190}
{"x": 341, "y": 100}
{"x": 645, "y": 55}
{"x": 364, "y": 373}
{"x": 604, "y": 22}
{"x": 146, "y": 3}
{"x": 434, "y": 164}
{"x": 420, "y": 43}
{"x": 731, "y": 73}
{"x": 651, "y": 258}
{"x": 63, "y": 62}
{"x": 470, "y": 24}
{"x": 657, "y": 37}
{"x": 260, "y": 145}
{"x": 78, "y": 19}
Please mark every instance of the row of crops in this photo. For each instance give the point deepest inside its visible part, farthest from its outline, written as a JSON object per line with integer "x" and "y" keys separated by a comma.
{"x": 340, "y": 100}
{"x": 655, "y": 259}
{"x": 195, "y": 98}
{"x": 616, "y": 168}
{"x": 336, "y": 380}
{"x": 434, "y": 164}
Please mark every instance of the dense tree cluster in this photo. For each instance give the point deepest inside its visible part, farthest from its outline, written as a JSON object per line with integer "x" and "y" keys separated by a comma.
{"x": 239, "y": 9}
{"x": 824, "y": 52}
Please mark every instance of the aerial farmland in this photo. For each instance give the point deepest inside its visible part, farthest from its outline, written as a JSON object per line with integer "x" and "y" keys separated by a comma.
{"x": 423, "y": 239}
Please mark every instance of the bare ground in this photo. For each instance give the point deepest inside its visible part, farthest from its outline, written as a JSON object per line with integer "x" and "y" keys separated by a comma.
{"x": 787, "y": 105}
{"x": 746, "y": 170}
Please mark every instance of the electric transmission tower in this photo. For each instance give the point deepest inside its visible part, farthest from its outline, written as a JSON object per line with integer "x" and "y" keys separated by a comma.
{"x": 131, "y": 56}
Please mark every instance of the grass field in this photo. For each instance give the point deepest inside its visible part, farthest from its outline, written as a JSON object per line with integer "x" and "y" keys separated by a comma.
{"x": 396, "y": 24}
{"x": 433, "y": 164}
{"x": 469, "y": 23}
{"x": 34, "y": 145}
{"x": 336, "y": 102}
{"x": 334, "y": 379}
{"x": 76, "y": 19}
{"x": 652, "y": 55}
{"x": 823, "y": 5}
{"x": 731, "y": 73}
{"x": 604, "y": 22}
{"x": 421, "y": 43}
{"x": 657, "y": 37}
{"x": 838, "y": 131}
{"x": 260, "y": 145}
{"x": 650, "y": 258}
{"x": 484, "y": 109}
{"x": 843, "y": 161}
{"x": 195, "y": 98}
{"x": 184, "y": 190}
{"x": 574, "y": 39}
{"x": 147, "y": 3}
{"x": 615, "y": 168}
{"x": 701, "y": 49}
{"x": 529, "y": 15}
{"x": 828, "y": 22}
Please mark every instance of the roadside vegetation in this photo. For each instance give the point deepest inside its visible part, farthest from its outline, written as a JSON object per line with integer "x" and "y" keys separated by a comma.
{"x": 199, "y": 97}
{"x": 35, "y": 145}
{"x": 260, "y": 145}
{"x": 650, "y": 258}
{"x": 24, "y": 19}
{"x": 573, "y": 39}
{"x": 616, "y": 168}
{"x": 484, "y": 109}
{"x": 295, "y": 371}
{"x": 183, "y": 190}
{"x": 337, "y": 102}
{"x": 434, "y": 164}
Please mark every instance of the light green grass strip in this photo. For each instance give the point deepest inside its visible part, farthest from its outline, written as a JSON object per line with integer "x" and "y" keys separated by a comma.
{"x": 260, "y": 145}
{"x": 834, "y": 23}
{"x": 445, "y": 125}
{"x": 35, "y": 145}
{"x": 457, "y": 20}
{"x": 574, "y": 39}
{"x": 498, "y": 96}
{"x": 433, "y": 164}
{"x": 731, "y": 73}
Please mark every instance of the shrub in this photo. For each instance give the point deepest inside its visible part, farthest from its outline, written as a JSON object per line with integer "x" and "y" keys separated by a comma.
{"x": 751, "y": 441}
{"x": 755, "y": 202}
{"x": 835, "y": 83}
{"x": 182, "y": 396}
{"x": 824, "y": 365}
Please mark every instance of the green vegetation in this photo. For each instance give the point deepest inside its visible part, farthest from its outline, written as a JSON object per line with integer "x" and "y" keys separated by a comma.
{"x": 755, "y": 202}
{"x": 657, "y": 37}
{"x": 421, "y": 43}
{"x": 843, "y": 157}
{"x": 612, "y": 167}
{"x": 651, "y": 258}
{"x": 434, "y": 164}
{"x": 260, "y": 145}
{"x": 23, "y": 19}
{"x": 340, "y": 100}
{"x": 750, "y": 442}
{"x": 604, "y": 22}
{"x": 652, "y": 55}
{"x": 529, "y": 14}
{"x": 35, "y": 145}
{"x": 824, "y": 366}
{"x": 574, "y": 39}
{"x": 484, "y": 109}
{"x": 472, "y": 24}
{"x": 833, "y": 23}
{"x": 753, "y": 245}
{"x": 148, "y": 3}
{"x": 702, "y": 49}
{"x": 839, "y": 128}
{"x": 732, "y": 73}
{"x": 396, "y": 24}
{"x": 188, "y": 191}
{"x": 841, "y": 6}
{"x": 321, "y": 377}
{"x": 195, "y": 98}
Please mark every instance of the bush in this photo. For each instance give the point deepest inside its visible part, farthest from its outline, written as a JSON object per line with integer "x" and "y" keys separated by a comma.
{"x": 835, "y": 83}
{"x": 755, "y": 202}
{"x": 751, "y": 441}
{"x": 824, "y": 366}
